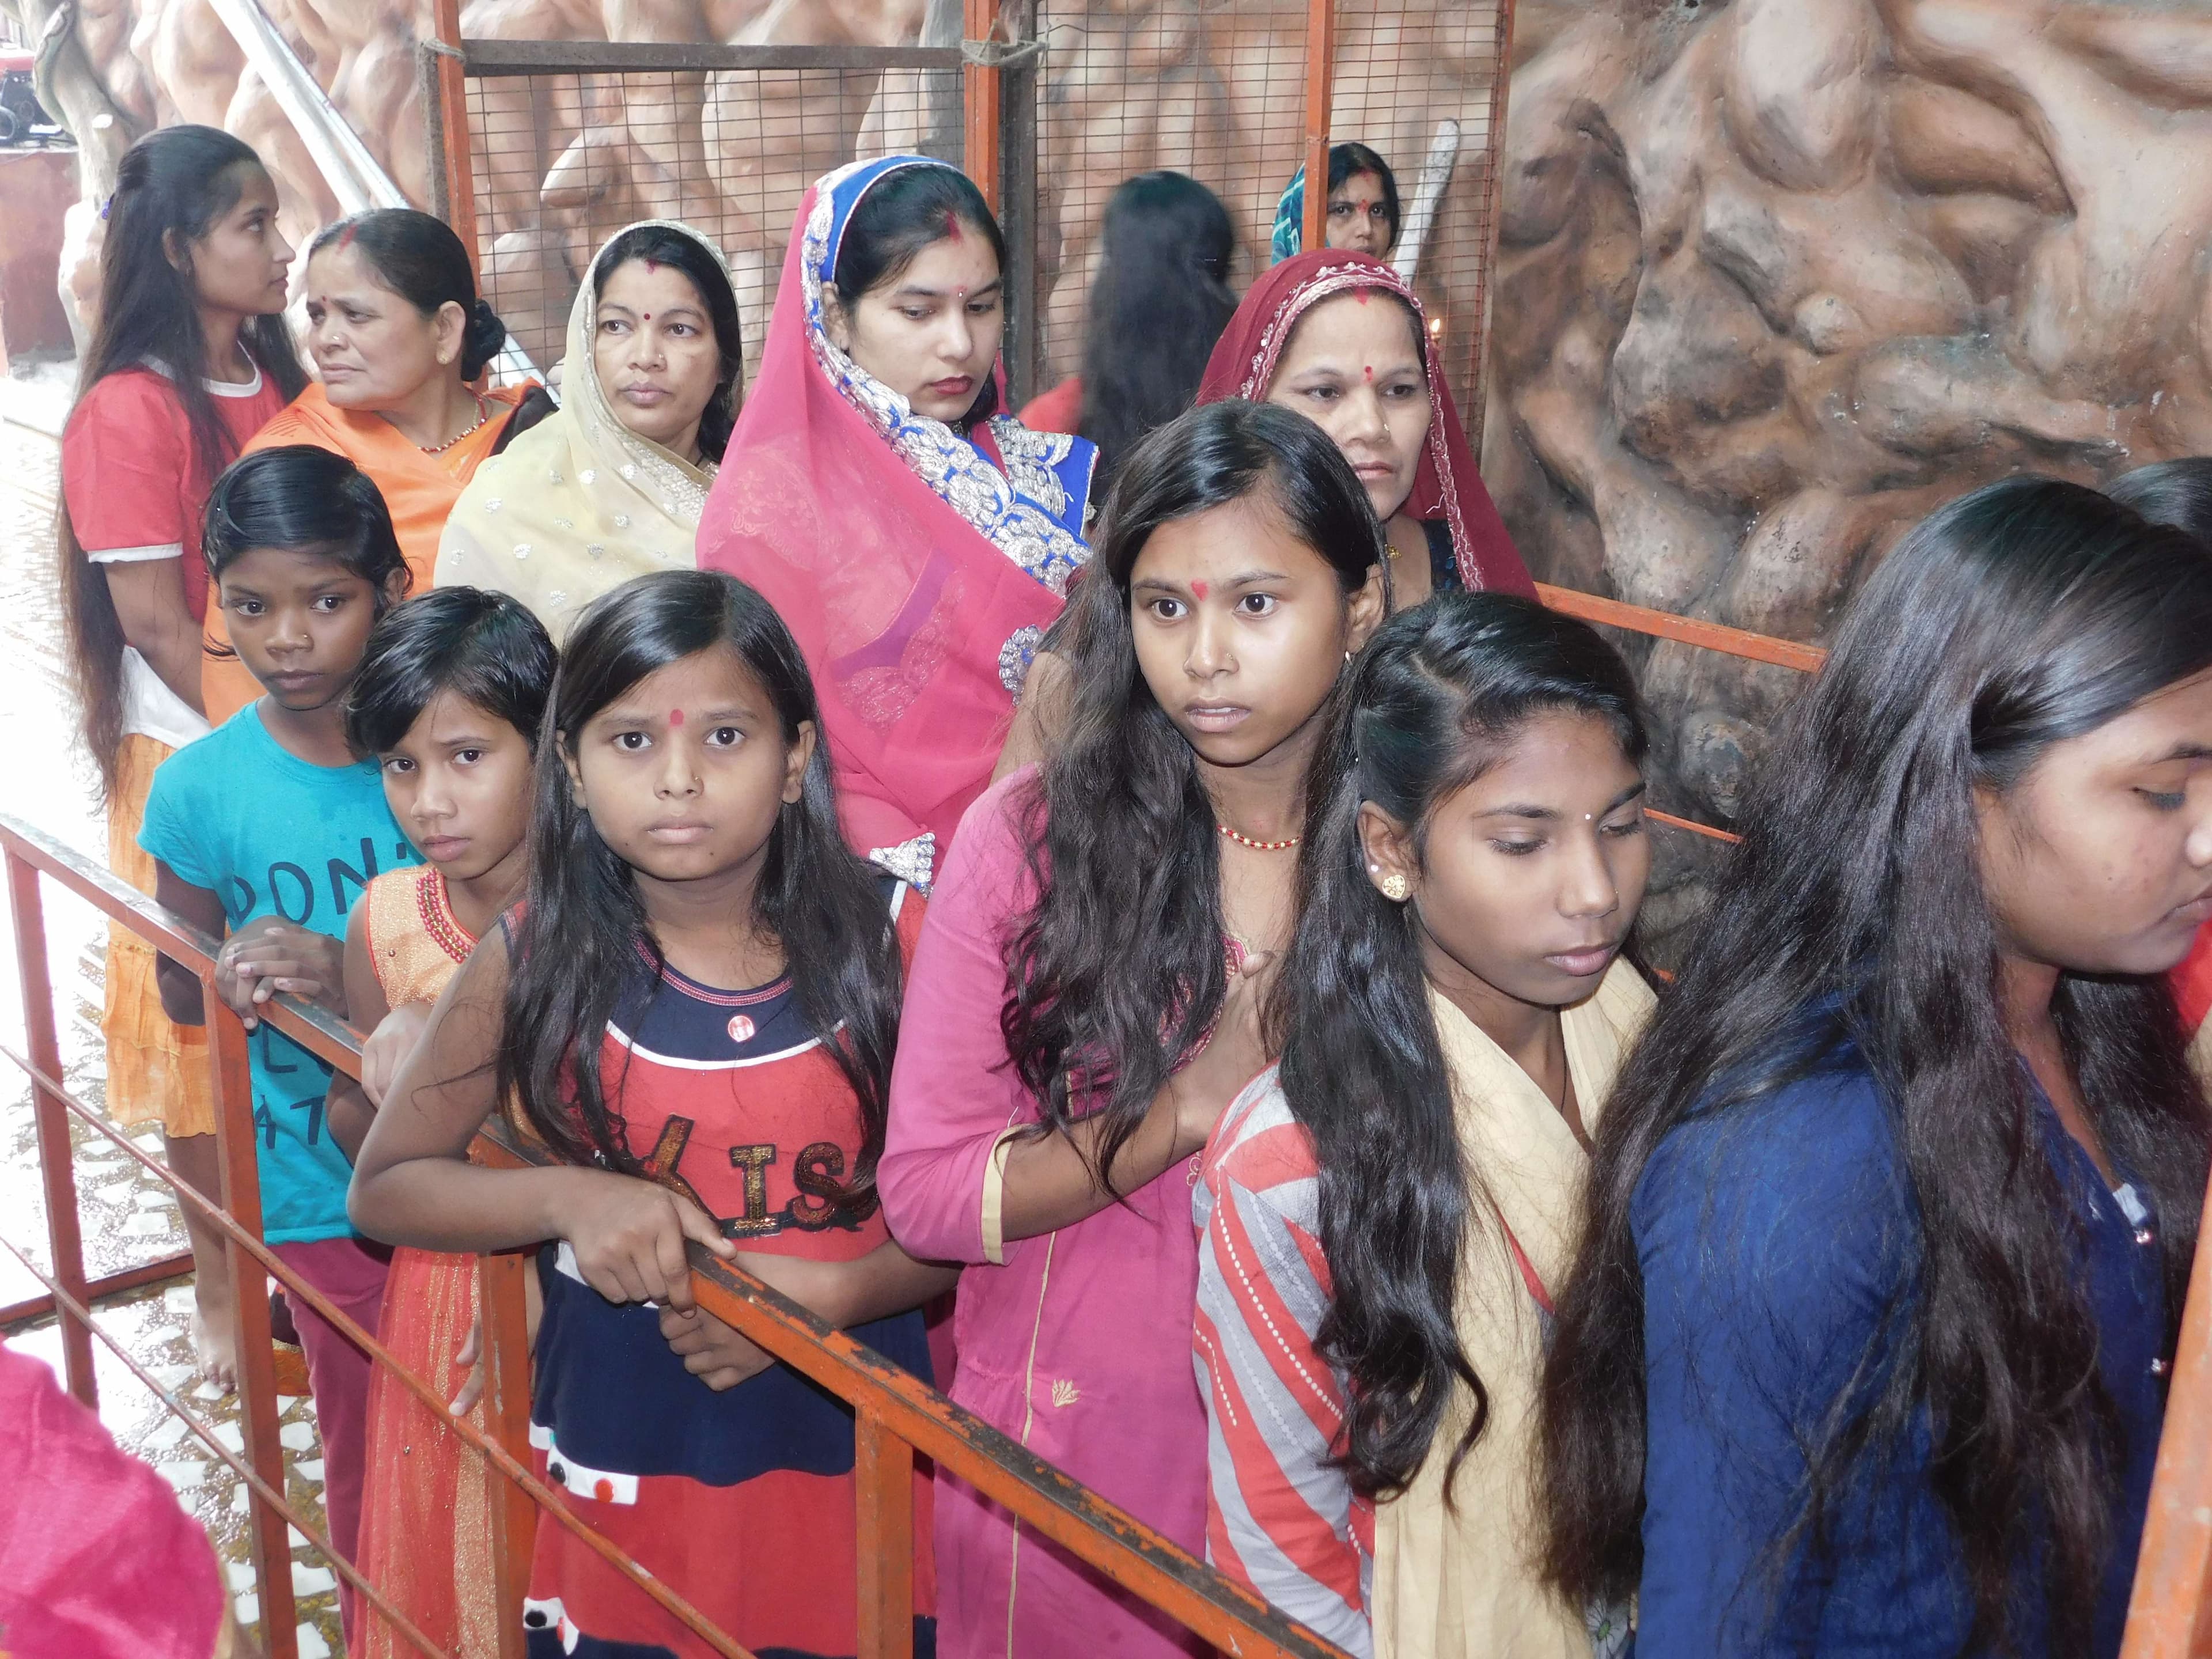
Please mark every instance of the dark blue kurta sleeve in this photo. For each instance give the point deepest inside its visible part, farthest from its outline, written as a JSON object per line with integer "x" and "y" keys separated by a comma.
{"x": 1776, "y": 1247}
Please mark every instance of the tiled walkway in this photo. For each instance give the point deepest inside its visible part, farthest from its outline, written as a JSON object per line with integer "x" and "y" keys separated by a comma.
{"x": 129, "y": 1216}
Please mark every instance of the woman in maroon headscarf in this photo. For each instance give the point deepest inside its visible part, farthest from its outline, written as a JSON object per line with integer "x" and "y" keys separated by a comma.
{"x": 1339, "y": 337}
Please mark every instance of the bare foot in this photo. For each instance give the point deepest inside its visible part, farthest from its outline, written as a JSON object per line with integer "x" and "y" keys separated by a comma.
{"x": 214, "y": 1336}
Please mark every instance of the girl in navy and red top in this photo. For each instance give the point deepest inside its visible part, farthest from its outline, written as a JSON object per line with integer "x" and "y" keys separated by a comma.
{"x": 694, "y": 919}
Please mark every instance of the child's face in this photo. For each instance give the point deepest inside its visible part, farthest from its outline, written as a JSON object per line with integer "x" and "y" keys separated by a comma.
{"x": 460, "y": 784}
{"x": 1532, "y": 874}
{"x": 299, "y": 619}
{"x": 684, "y": 773}
{"x": 1242, "y": 628}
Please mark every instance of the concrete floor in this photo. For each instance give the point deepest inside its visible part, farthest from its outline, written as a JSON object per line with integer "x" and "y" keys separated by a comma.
{"x": 128, "y": 1215}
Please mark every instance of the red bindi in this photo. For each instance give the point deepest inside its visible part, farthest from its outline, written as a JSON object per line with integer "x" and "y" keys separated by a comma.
{"x": 1368, "y": 369}
{"x": 1198, "y": 588}
{"x": 648, "y": 318}
{"x": 674, "y": 717}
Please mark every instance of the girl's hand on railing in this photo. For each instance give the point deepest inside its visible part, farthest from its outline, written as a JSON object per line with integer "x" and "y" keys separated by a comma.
{"x": 388, "y": 1047}
{"x": 711, "y": 1351}
{"x": 268, "y": 955}
{"x": 629, "y": 1237}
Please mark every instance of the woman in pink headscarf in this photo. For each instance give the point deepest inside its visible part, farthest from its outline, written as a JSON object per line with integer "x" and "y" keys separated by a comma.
{"x": 917, "y": 542}
{"x": 1312, "y": 337}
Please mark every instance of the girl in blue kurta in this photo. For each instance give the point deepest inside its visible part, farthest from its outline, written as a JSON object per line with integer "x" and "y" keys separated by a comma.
{"x": 1892, "y": 1208}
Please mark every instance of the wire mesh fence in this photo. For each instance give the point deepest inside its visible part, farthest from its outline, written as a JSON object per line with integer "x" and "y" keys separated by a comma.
{"x": 1218, "y": 91}
{"x": 571, "y": 141}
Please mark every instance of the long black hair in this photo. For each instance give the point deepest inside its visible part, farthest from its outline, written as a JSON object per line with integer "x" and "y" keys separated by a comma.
{"x": 2177, "y": 493}
{"x": 575, "y": 948}
{"x": 172, "y": 187}
{"x": 906, "y": 210}
{"x": 486, "y": 648}
{"x": 306, "y": 497}
{"x": 1158, "y": 302}
{"x": 1437, "y": 699}
{"x": 1117, "y": 971}
{"x": 420, "y": 258}
{"x": 664, "y": 245}
{"x": 1854, "y": 916}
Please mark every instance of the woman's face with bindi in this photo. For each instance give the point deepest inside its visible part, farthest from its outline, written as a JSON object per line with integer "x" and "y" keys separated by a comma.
{"x": 2099, "y": 859}
{"x": 654, "y": 350}
{"x": 1354, "y": 368}
{"x": 373, "y": 348}
{"x": 1241, "y": 627}
{"x": 930, "y": 332}
{"x": 1526, "y": 880}
{"x": 1359, "y": 216}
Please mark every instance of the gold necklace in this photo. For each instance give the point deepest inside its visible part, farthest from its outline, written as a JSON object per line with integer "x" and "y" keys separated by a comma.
{"x": 1283, "y": 845}
{"x": 483, "y": 414}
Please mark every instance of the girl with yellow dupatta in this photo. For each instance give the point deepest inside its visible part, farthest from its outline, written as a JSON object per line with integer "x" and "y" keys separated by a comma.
{"x": 611, "y": 487}
{"x": 399, "y": 336}
{"x": 1449, "y": 1015}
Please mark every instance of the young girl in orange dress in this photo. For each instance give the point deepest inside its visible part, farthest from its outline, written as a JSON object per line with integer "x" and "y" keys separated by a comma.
{"x": 698, "y": 934}
{"x": 447, "y": 701}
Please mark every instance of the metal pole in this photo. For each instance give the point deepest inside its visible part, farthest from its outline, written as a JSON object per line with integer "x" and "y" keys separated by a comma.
{"x": 883, "y": 1465}
{"x": 503, "y": 1341}
{"x": 453, "y": 112}
{"x": 980, "y": 86}
{"x": 1321, "y": 77}
{"x": 56, "y": 1168}
{"x": 249, "y": 1289}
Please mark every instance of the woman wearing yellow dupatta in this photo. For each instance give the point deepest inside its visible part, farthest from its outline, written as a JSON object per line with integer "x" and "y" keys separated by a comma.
{"x": 398, "y": 335}
{"x": 611, "y": 487}
{"x": 1450, "y": 1015}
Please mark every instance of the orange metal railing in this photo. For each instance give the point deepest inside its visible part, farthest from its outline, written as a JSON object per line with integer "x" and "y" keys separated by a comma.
{"x": 897, "y": 1416}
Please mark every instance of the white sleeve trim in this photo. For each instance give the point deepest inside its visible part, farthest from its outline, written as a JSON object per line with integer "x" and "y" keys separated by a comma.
{"x": 135, "y": 554}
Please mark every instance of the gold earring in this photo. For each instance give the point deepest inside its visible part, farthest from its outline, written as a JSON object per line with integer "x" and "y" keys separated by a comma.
{"x": 1396, "y": 887}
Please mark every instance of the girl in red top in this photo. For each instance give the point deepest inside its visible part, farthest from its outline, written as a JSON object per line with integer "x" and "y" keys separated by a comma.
{"x": 694, "y": 925}
{"x": 189, "y": 356}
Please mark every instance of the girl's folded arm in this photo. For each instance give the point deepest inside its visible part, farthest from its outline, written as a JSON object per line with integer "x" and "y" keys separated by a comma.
{"x": 412, "y": 1183}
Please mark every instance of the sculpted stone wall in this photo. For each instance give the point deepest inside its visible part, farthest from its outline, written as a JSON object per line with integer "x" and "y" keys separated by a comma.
{"x": 1778, "y": 277}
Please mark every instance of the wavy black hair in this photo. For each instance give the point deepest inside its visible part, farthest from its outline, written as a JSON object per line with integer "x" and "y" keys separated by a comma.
{"x": 420, "y": 258}
{"x": 1158, "y": 302}
{"x": 906, "y": 210}
{"x": 1438, "y": 698}
{"x": 1349, "y": 160}
{"x": 662, "y": 245}
{"x": 172, "y": 188}
{"x": 2177, "y": 493}
{"x": 575, "y": 948}
{"x": 1116, "y": 973}
{"x": 304, "y": 497}
{"x": 2027, "y": 613}
{"x": 485, "y": 648}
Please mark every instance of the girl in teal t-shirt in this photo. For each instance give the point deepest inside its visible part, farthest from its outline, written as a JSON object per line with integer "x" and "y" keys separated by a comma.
{"x": 265, "y": 831}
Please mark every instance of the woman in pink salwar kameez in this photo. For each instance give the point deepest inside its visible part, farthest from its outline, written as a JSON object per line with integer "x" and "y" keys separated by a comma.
{"x": 1084, "y": 998}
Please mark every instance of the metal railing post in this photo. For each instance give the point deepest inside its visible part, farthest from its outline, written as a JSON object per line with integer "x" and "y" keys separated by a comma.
{"x": 883, "y": 1471}
{"x": 57, "y": 1165}
{"x": 1321, "y": 82}
{"x": 503, "y": 1341}
{"x": 249, "y": 1288}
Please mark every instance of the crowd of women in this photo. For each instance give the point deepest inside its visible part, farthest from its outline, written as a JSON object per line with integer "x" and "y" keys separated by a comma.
{"x": 1137, "y": 924}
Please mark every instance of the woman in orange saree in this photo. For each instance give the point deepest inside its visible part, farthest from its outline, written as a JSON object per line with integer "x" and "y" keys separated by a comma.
{"x": 398, "y": 335}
